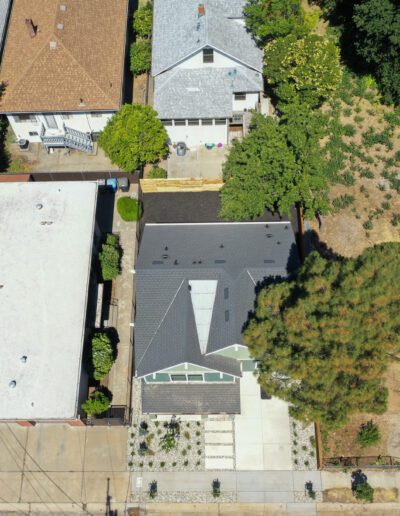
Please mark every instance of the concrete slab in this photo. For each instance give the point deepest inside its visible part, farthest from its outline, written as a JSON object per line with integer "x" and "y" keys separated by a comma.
{"x": 218, "y": 463}
{"x": 272, "y": 422}
{"x": 218, "y": 438}
{"x": 218, "y": 425}
{"x": 279, "y": 496}
{"x": 264, "y": 481}
{"x": 106, "y": 449}
{"x": 55, "y": 447}
{"x": 198, "y": 162}
{"x": 219, "y": 450}
{"x": 277, "y": 457}
{"x": 95, "y": 486}
{"x": 12, "y": 447}
{"x": 333, "y": 479}
{"x": 250, "y": 496}
{"x": 248, "y": 430}
{"x": 10, "y": 486}
{"x": 250, "y": 404}
{"x": 249, "y": 457}
{"x": 56, "y": 487}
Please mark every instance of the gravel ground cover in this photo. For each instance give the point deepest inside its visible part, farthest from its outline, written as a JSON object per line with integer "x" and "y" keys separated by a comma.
{"x": 303, "y": 446}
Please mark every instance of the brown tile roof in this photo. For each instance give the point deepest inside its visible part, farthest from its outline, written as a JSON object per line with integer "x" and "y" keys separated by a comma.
{"x": 85, "y": 69}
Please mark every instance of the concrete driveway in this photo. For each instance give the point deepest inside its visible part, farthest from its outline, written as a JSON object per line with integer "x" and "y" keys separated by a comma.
{"x": 262, "y": 430}
{"x": 198, "y": 163}
{"x": 67, "y": 468}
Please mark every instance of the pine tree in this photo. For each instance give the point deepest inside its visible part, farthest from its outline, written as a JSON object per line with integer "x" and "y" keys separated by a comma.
{"x": 324, "y": 338}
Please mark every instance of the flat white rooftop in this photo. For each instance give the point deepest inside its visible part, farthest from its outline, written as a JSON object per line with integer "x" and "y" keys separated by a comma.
{"x": 46, "y": 232}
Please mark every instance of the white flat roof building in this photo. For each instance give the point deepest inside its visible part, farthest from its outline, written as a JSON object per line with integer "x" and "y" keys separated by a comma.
{"x": 46, "y": 235}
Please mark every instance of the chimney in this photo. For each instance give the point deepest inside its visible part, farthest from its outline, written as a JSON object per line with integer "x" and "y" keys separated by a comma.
{"x": 201, "y": 10}
{"x": 31, "y": 28}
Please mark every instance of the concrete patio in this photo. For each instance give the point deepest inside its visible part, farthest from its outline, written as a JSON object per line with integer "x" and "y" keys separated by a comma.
{"x": 262, "y": 430}
{"x": 197, "y": 163}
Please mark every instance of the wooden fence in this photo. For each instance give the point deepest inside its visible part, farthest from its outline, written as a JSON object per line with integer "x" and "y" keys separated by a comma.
{"x": 180, "y": 185}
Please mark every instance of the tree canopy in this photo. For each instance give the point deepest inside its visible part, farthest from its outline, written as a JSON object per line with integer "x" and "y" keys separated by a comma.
{"x": 110, "y": 257}
{"x": 324, "y": 338}
{"x": 275, "y": 166}
{"x": 140, "y": 54}
{"x": 133, "y": 137}
{"x": 102, "y": 355}
{"x": 270, "y": 19}
{"x": 306, "y": 70}
{"x": 97, "y": 403}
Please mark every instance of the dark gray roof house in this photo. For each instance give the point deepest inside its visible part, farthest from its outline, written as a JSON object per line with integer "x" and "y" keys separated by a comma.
{"x": 195, "y": 287}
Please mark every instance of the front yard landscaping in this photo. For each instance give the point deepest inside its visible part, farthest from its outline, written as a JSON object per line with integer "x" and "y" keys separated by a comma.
{"x": 167, "y": 445}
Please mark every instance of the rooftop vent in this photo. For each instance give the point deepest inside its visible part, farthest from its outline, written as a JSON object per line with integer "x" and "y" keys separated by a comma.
{"x": 39, "y": 206}
{"x": 60, "y": 26}
{"x": 157, "y": 262}
{"x": 269, "y": 235}
{"x": 63, "y": 7}
{"x": 166, "y": 248}
{"x": 23, "y": 359}
{"x": 219, "y": 261}
{"x": 31, "y": 28}
{"x": 164, "y": 256}
{"x": 269, "y": 261}
{"x": 12, "y": 384}
{"x": 201, "y": 10}
{"x": 81, "y": 102}
{"x": 53, "y": 45}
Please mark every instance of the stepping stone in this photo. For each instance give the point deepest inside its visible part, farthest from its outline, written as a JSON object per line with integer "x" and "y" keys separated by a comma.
{"x": 218, "y": 438}
{"x": 219, "y": 450}
{"x": 218, "y": 463}
{"x": 218, "y": 426}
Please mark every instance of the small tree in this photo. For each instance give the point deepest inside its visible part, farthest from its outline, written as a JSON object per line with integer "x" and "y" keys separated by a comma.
{"x": 102, "y": 355}
{"x": 133, "y": 137}
{"x": 368, "y": 434}
{"x": 307, "y": 69}
{"x": 157, "y": 173}
{"x": 140, "y": 57}
{"x": 97, "y": 404}
{"x": 110, "y": 257}
{"x": 143, "y": 20}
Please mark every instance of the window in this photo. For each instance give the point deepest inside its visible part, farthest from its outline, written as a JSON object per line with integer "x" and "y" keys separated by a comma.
{"x": 25, "y": 118}
{"x": 208, "y": 55}
{"x": 166, "y": 122}
{"x": 193, "y": 121}
{"x": 66, "y": 116}
{"x": 207, "y": 121}
{"x": 96, "y": 114}
{"x": 178, "y": 377}
{"x": 33, "y": 133}
{"x": 240, "y": 96}
{"x": 195, "y": 377}
{"x": 51, "y": 121}
{"x": 179, "y": 122}
{"x": 220, "y": 121}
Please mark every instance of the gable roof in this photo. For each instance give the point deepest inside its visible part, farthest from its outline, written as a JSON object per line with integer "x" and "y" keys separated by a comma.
{"x": 202, "y": 92}
{"x": 75, "y": 61}
{"x": 238, "y": 256}
{"x": 179, "y": 32}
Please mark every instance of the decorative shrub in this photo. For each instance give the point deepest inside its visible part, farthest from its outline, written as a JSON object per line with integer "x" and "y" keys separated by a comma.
{"x": 110, "y": 257}
{"x": 168, "y": 442}
{"x": 97, "y": 403}
{"x": 157, "y": 173}
{"x": 129, "y": 209}
{"x": 102, "y": 355}
{"x": 140, "y": 57}
{"x": 186, "y": 435}
{"x": 364, "y": 492}
{"x": 368, "y": 434}
{"x": 216, "y": 488}
{"x": 153, "y": 489}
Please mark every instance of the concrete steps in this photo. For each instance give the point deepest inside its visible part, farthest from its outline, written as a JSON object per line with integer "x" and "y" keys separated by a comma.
{"x": 219, "y": 452}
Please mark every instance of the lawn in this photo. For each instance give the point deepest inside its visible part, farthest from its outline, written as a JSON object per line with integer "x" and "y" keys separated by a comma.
{"x": 129, "y": 209}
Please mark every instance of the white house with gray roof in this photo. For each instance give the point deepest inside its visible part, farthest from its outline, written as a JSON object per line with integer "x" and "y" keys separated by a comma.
{"x": 207, "y": 69}
{"x": 195, "y": 287}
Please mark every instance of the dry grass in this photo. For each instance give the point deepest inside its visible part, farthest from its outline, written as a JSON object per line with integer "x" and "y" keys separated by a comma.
{"x": 345, "y": 495}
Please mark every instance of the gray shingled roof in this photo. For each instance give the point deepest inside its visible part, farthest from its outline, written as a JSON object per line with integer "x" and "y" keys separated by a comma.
{"x": 238, "y": 256}
{"x": 202, "y": 92}
{"x": 179, "y": 32}
{"x": 191, "y": 399}
{"x": 4, "y": 12}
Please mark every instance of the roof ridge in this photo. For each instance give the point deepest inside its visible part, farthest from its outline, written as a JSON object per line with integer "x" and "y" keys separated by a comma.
{"x": 159, "y": 325}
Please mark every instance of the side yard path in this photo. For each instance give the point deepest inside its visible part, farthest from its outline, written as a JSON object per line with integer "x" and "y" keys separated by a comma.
{"x": 119, "y": 380}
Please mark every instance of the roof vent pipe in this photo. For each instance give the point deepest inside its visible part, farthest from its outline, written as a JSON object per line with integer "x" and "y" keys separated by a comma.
{"x": 201, "y": 10}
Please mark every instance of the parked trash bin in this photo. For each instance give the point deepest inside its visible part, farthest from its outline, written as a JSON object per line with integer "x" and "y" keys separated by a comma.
{"x": 123, "y": 184}
{"x": 23, "y": 144}
{"x": 181, "y": 148}
{"x": 112, "y": 184}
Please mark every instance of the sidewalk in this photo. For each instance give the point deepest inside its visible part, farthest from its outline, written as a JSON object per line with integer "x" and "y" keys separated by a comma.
{"x": 120, "y": 377}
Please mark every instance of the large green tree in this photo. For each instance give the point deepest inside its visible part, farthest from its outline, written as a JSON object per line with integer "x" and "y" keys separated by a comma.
{"x": 325, "y": 338}
{"x": 133, "y": 137}
{"x": 277, "y": 165}
{"x": 270, "y": 19}
{"x": 306, "y": 70}
{"x": 377, "y": 42}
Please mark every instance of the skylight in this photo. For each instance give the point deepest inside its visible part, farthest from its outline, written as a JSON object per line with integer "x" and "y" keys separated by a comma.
{"x": 202, "y": 293}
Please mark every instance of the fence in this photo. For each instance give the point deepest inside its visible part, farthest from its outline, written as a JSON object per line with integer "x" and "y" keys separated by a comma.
{"x": 79, "y": 176}
{"x": 116, "y": 415}
{"x": 373, "y": 461}
{"x": 180, "y": 185}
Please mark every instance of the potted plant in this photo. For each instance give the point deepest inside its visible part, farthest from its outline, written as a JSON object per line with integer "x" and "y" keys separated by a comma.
{"x": 153, "y": 489}
{"x": 216, "y": 488}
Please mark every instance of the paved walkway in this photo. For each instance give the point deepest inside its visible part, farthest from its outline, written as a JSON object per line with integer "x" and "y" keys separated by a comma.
{"x": 197, "y": 163}
{"x": 119, "y": 380}
{"x": 219, "y": 444}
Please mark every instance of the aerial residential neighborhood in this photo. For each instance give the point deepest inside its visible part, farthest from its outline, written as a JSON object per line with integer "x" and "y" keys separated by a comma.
{"x": 200, "y": 254}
